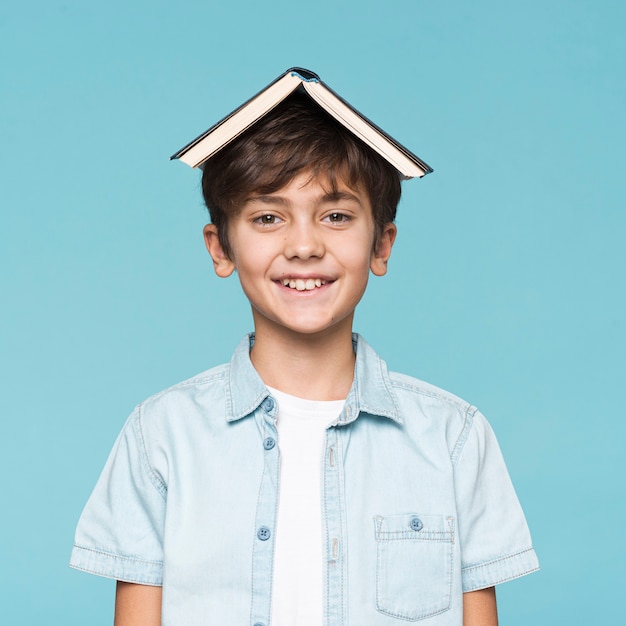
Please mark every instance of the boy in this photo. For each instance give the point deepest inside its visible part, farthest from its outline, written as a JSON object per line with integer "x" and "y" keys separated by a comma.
{"x": 302, "y": 484}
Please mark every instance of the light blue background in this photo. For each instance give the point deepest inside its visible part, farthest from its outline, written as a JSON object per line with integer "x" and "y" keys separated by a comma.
{"x": 506, "y": 285}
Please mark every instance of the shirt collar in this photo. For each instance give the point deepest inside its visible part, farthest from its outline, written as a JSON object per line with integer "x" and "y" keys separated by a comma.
{"x": 371, "y": 390}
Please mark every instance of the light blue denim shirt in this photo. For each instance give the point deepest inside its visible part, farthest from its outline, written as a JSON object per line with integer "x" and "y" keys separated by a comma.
{"x": 418, "y": 506}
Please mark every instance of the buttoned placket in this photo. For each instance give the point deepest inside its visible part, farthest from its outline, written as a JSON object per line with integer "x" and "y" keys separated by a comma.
{"x": 336, "y": 579}
{"x": 265, "y": 522}
{"x": 333, "y": 502}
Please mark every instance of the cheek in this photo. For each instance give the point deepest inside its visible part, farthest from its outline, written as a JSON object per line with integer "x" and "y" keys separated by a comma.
{"x": 357, "y": 257}
{"x": 252, "y": 264}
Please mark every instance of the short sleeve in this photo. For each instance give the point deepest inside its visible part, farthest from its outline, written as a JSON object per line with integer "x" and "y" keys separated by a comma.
{"x": 120, "y": 531}
{"x": 494, "y": 538}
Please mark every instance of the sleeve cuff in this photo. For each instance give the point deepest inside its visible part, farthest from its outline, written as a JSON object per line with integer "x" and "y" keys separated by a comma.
{"x": 499, "y": 571}
{"x": 126, "y": 568}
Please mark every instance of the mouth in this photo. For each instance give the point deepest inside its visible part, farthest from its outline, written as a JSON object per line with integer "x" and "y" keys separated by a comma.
{"x": 303, "y": 284}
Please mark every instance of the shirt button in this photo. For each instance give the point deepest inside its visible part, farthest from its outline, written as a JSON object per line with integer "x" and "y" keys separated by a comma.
{"x": 416, "y": 524}
{"x": 268, "y": 404}
{"x": 259, "y": 624}
{"x": 269, "y": 443}
{"x": 264, "y": 533}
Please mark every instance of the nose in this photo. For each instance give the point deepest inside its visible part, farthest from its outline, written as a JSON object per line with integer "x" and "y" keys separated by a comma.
{"x": 303, "y": 241}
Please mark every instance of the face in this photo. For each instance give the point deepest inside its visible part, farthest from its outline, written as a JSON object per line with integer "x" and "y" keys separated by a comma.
{"x": 303, "y": 255}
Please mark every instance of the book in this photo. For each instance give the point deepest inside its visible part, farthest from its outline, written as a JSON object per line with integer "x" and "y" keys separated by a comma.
{"x": 196, "y": 153}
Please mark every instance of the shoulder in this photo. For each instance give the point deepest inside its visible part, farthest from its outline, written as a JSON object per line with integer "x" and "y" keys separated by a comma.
{"x": 417, "y": 404}
{"x": 428, "y": 409}
{"x": 209, "y": 380}
{"x": 186, "y": 399}
{"x": 420, "y": 390}
{"x": 229, "y": 391}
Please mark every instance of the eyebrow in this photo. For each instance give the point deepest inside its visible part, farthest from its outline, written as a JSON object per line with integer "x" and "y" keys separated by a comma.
{"x": 331, "y": 196}
{"x": 340, "y": 195}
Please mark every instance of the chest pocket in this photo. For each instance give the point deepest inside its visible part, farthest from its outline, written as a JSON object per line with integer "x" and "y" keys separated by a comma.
{"x": 413, "y": 565}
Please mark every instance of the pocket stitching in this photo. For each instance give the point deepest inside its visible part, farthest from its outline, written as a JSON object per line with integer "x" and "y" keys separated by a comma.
{"x": 385, "y": 537}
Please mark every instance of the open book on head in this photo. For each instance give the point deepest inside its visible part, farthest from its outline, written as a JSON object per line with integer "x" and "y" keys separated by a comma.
{"x": 196, "y": 153}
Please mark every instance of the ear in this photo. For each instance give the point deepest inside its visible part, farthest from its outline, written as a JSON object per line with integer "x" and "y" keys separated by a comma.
{"x": 222, "y": 265}
{"x": 382, "y": 251}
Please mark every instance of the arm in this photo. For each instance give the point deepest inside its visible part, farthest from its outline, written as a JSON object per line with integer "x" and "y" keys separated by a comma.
{"x": 479, "y": 608}
{"x": 137, "y": 605}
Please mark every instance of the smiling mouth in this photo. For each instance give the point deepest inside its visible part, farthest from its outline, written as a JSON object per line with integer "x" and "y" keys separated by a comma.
{"x": 303, "y": 284}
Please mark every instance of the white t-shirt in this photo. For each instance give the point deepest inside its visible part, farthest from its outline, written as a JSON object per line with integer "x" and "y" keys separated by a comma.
{"x": 297, "y": 590}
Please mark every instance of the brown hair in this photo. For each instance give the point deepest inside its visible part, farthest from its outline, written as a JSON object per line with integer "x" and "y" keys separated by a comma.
{"x": 296, "y": 136}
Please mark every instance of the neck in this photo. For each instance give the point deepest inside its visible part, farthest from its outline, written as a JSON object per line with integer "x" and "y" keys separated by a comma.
{"x": 313, "y": 367}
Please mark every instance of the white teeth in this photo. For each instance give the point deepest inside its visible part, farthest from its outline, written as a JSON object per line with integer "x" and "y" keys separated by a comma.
{"x": 301, "y": 284}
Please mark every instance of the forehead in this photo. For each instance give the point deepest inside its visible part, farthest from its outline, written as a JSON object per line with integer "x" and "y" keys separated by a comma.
{"x": 320, "y": 187}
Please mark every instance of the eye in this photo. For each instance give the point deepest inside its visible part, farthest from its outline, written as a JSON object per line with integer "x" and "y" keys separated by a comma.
{"x": 267, "y": 219}
{"x": 337, "y": 218}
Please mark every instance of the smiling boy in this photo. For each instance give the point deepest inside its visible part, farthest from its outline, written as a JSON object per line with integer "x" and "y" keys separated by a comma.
{"x": 303, "y": 484}
{"x": 303, "y": 255}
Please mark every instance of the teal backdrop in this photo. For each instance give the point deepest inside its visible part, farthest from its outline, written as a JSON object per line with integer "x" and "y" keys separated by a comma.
{"x": 506, "y": 285}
